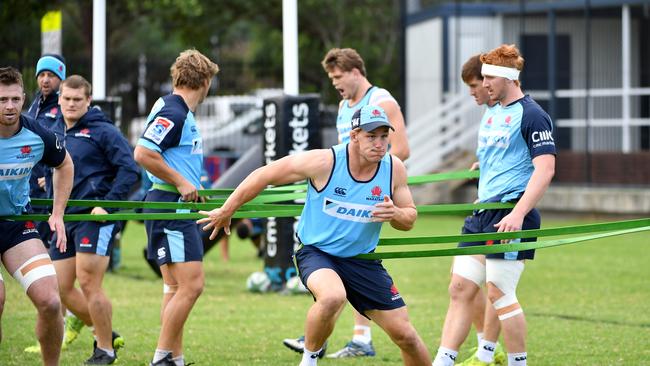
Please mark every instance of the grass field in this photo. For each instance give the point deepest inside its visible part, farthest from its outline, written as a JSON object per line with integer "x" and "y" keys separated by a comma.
{"x": 586, "y": 304}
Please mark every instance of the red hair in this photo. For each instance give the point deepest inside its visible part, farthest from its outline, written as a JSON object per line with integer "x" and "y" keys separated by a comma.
{"x": 506, "y": 55}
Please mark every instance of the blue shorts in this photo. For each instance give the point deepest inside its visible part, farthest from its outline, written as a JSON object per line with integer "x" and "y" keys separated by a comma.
{"x": 483, "y": 222}
{"x": 45, "y": 232}
{"x": 171, "y": 241}
{"x": 367, "y": 283}
{"x": 16, "y": 232}
{"x": 86, "y": 237}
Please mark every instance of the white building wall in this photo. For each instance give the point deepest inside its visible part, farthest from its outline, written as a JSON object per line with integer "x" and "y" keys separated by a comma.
{"x": 423, "y": 67}
{"x": 606, "y": 58}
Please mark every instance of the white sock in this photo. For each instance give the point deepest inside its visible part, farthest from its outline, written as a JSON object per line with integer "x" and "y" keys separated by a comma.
{"x": 160, "y": 354}
{"x": 364, "y": 338}
{"x": 179, "y": 360}
{"x": 517, "y": 359}
{"x": 485, "y": 351}
{"x": 445, "y": 357}
{"x": 479, "y": 337}
{"x": 110, "y": 352}
{"x": 309, "y": 358}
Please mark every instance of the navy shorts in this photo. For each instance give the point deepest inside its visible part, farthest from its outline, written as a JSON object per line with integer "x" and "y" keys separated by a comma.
{"x": 171, "y": 241}
{"x": 16, "y": 232}
{"x": 86, "y": 237}
{"x": 367, "y": 283}
{"x": 484, "y": 221}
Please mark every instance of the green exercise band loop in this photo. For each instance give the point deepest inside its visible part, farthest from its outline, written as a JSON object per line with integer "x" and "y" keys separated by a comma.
{"x": 492, "y": 249}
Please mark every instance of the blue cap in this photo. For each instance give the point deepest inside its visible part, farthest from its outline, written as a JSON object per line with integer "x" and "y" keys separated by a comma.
{"x": 53, "y": 63}
{"x": 370, "y": 117}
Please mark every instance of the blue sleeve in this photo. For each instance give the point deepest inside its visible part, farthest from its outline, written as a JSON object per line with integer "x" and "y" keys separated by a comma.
{"x": 119, "y": 154}
{"x": 164, "y": 131}
{"x": 537, "y": 131}
{"x": 53, "y": 150}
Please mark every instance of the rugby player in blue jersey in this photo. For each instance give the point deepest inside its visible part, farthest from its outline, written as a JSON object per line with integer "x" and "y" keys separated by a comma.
{"x": 353, "y": 188}
{"x": 516, "y": 155}
{"x": 171, "y": 150}
{"x": 23, "y": 143}
{"x": 347, "y": 71}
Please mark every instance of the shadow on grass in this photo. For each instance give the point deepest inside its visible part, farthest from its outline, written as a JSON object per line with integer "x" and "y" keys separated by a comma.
{"x": 589, "y": 320}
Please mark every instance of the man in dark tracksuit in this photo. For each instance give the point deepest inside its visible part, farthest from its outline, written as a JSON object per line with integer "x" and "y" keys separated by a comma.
{"x": 104, "y": 170}
{"x": 50, "y": 71}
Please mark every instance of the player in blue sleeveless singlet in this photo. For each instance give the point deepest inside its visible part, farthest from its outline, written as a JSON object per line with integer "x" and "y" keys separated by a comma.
{"x": 353, "y": 188}
{"x": 346, "y": 69}
{"x": 171, "y": 150}
{"x": 23, "y": 143}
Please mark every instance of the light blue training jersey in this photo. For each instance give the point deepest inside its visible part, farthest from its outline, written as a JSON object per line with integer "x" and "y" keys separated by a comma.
{"x": 509, "y": 138}
{"x": 172, "y": 131}
{"x": 374, "y": 96}
{"x": 337, "y": 219}
{"x": 18, "y": 156}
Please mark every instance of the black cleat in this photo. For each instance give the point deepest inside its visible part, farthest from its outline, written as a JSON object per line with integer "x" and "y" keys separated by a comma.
{"x": 100, "y": 357}
{"x": 118, "y": 342}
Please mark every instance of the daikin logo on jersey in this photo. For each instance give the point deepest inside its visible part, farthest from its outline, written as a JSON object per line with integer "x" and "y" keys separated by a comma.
{"x": 15, "y": 171}
{"x": 347, "y": 211}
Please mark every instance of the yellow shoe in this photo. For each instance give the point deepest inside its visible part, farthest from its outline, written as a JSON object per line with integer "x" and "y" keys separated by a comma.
{"x": 33, "y": 349}
{"x": 500, "y": 357}
{"x": 73, "y": 326}
{"x": 474, "y": 361}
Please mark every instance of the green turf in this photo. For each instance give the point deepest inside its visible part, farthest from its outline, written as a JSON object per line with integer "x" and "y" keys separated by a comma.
{"x": 586, "y": 304}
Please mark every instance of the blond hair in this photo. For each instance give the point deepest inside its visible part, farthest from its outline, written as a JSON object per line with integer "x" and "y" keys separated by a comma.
{"x": 191, "y": 69}
{"x": 345, "y": 59}
{"x": 506, "y": 55}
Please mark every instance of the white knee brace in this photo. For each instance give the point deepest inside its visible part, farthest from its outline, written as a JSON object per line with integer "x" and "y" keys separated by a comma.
{"x": 505, "y": 274}
{"x": 169, "y": 289}
{"x": 468, "y": 267}
{"x": 35, "y": 268}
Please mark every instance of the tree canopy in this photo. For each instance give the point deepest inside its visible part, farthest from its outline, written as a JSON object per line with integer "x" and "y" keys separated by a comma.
{"x": 243, "y": 36}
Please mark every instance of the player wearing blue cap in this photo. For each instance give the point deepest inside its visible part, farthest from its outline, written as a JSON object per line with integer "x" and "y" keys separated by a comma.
{"x": 353, "y": 188}
{"x": 346, "y": 69}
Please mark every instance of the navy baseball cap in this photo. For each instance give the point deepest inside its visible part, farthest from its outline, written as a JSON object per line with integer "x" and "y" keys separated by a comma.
{"x": 369, "y": 117}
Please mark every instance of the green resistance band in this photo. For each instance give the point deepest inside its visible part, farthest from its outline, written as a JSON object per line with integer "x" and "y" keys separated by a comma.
{"x": 262, "y": 210}
{"x": 566, "y": 230}
{"x": 420, "y": 179}
{"x": 492, "y": 249}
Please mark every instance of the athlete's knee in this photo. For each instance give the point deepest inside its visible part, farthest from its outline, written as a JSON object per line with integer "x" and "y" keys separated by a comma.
{"x": 468, "y": 276}
{"x": 462, "y": 290}
{"x": 503, "y": 277}
{"x": 88, "y": 283}
{"x": 48, "y": 304}
{"x": 405, "y": 337}
{"x": 332, "y": 300}
{"x": 192, "y": 289}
